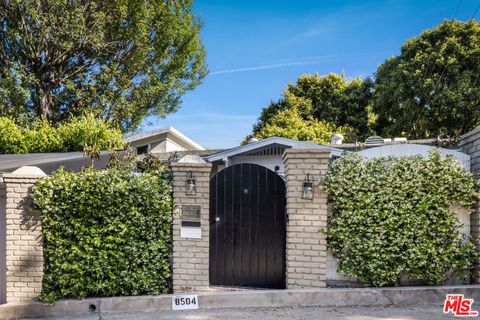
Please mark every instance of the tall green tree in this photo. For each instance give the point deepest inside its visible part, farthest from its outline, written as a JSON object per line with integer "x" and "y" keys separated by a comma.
{"x": 291, "y": 124}
{"x": 331, "y": 98}
{"x": 433, "y": 87}
{"x": 121, "y": 59}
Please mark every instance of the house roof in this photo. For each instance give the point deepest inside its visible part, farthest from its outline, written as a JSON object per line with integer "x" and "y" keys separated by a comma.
{"x": 49, "y": 162}
{"x": 289, "y": 143}
{"x": 362, "y": 146}
{"x": 174, "y": 156}
{"x": 162, "y": 131}
{"x": 410, "y": 149}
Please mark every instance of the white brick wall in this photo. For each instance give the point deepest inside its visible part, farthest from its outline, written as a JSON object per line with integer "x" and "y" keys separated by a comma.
{"x": 307, "y": 219}
{"x": 470, "y": 144}
{"x": 24, "y": 258}
{"x": 3, "y": 229}
{"x": 191, "y": 256}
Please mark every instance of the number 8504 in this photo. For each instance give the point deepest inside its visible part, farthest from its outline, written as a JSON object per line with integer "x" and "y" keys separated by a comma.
{"x": 185, "y": 301}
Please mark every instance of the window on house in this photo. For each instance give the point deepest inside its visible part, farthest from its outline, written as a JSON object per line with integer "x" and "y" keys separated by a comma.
{"x": 142, "y": 149}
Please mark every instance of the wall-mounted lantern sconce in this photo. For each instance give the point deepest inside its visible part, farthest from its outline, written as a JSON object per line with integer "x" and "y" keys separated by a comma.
{"x": 190, "y": 187}
{"x": 307, "y": 190}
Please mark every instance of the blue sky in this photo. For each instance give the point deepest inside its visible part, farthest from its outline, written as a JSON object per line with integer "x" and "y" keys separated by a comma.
{"x": 255, "y": 48}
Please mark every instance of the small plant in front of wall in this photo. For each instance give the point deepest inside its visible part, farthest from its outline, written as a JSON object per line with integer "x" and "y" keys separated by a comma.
{"x": 93, "y": 152}
{"x": 392, "y": 218}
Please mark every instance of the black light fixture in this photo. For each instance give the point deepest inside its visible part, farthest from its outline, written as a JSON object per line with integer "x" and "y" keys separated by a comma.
{"x": 307, "y": 190}
{"x": 190, "y": 187}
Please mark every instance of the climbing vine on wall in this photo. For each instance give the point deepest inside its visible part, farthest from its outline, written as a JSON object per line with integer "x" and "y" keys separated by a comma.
{"x": 391, "y": 218}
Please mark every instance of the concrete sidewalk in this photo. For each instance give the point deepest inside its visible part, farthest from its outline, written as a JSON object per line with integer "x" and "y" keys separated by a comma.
{"x": 420, "y": 312}
{"x": 325, "y": 297}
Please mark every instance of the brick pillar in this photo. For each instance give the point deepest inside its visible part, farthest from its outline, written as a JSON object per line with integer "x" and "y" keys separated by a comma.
{"x": 475, "y": 233}
{"x": 307, "y": 219}
{"x": 470, "y": 144}
{"x": 190, "y": 255}
{"x": 24, "y": 250}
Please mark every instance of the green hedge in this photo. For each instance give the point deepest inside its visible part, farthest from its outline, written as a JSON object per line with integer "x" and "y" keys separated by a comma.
{"x": 11, "y": 138}
{"x": 392, "y": 217}
{"x": 77, "y": 134}
{"x": 105, "y": 233}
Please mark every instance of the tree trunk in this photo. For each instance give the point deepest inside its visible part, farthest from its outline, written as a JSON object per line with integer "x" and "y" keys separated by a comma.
{"x": 44, "y": 102}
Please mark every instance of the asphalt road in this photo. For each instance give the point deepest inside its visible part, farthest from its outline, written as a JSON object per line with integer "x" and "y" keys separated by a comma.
{"x": 420, "y": 312}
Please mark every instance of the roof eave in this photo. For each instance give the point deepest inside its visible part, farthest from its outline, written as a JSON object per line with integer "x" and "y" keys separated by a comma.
{"x": 260, "y": 144}
{"x": 166, "y": 130}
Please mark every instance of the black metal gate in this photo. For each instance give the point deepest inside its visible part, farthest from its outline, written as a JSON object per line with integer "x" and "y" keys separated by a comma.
{"x": 247, "y": 227}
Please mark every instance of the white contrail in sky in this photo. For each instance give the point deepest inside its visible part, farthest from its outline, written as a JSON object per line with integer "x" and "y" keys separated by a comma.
{"x": 213, "y": 116}
{"x": 274, "y": 66}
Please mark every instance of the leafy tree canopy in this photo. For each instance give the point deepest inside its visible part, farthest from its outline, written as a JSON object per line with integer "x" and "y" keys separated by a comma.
{"x": 78, "y": 134}
{"x": 328, "y": 99}
{"x": 433, "y": 87}
{"x": 122, "y": 60}
{"x": 291, "y": 124}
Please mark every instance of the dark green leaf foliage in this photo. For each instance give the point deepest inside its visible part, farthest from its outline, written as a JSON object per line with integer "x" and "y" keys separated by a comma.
{"x": 267, "y": 114}
{"x": 331, "y": 99}
{"x": 122, "y": 59}
{"x": 393, "y": 217}
{"x": 106, "y": 233}
{"x": 433, "y": 87}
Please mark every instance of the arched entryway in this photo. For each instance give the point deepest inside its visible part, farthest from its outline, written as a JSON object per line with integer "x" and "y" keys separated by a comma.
{"x": 247, "y": 227}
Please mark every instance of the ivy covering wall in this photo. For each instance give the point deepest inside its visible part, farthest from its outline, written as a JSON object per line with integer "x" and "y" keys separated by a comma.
{"x": 391, "y": 218}
{"x": 106, "y": 233}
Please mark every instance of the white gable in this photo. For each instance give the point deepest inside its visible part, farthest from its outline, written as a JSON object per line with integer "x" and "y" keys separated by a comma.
{"x": 267, "y": 153}
{"x": 270, "y": 146}
{"x": 173, "y": 140}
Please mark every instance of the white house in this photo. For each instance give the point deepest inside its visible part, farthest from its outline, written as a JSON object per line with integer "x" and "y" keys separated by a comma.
{"x": 162, "y": 140}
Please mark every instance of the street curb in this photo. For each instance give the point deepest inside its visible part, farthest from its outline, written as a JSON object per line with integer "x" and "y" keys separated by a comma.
{"x": 323, "y": 297}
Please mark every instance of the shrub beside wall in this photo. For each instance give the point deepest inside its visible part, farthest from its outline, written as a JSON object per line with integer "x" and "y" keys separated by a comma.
{"x": 105, "y": 233}
{"x": 391, "y": 218}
